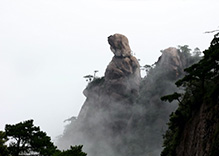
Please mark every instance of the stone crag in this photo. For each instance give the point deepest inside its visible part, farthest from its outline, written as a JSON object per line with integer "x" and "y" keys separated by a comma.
{"x": 106, "y": 111}
{"x": 148, "y": 122}
{"x": 199, "y": 132}
{"x": 123, "y": 114}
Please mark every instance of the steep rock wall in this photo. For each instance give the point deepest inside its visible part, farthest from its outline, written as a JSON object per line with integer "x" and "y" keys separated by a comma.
{"x": 199, "y": 133}
{"x": 194, "y": 127}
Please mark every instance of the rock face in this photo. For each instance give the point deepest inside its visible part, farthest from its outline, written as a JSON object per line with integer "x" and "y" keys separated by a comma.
{"x": 120, "y": 117}
{"x": 121, "y": 80}
{"x": 119, "y": 45}
{"x": 148, "y": 122}
{"x": 123, "y": 72}
{"x": 194, "y": 126}
{"x": 172, "y": 60}
{"x": 199, "y": 133}
{"x": 106, "y": 111}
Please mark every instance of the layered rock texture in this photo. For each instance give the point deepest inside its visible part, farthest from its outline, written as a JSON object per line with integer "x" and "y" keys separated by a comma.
{"x": 200, "y": 135}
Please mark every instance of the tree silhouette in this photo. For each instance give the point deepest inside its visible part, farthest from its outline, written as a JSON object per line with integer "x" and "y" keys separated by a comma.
{"x": 3, "y": 147}
{"x": 89, "y": 77}
{"x": 26, "y": 139}
{"x": 73, "y": 151}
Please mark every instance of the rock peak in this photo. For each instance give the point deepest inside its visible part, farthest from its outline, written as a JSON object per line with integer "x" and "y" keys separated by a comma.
{"x": 172, "y": 60}
{"x": 109, "y": 101}
{"x": 119, "y": 45}
{"x": 124, "y": 68}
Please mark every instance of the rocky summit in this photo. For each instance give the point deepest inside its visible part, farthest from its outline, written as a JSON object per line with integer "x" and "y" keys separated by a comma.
{"x": 106, "y": 111}
{"x": 123, "y": 113}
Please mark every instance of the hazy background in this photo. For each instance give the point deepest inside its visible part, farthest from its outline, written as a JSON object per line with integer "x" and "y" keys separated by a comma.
{"x": 47, "y": 46}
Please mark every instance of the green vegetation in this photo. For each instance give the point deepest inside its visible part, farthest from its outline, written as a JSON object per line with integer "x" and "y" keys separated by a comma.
{"x": 26, "y": 139}
{"x": 73, "y": 151}
{"x": 89, "y": 78}
{"x": 3, "y": 147}
{"x": 170, "y": 98}
{"x": 201, "y": 86}
{"x": 95, "y": 82}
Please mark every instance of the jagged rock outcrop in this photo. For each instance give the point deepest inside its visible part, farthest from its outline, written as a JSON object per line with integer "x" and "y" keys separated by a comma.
{"x": 173, "y": 60}
{"x": 120, "y": 116}
{"x": 123, "y": 72}
{"x": 149, "y": 118}
{"x": 119, "y": 45}
{"x": 121, "y": 80}
{"x": 106, "y": 111}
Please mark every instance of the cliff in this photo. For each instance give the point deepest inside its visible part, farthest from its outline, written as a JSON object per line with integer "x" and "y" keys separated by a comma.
{"x": 149, "y": 118}
{"x": 194, "y": 126}
{"x": 123, "y": 114}
{"x": 200, "y": 135}
{"x": 106, "y": 111}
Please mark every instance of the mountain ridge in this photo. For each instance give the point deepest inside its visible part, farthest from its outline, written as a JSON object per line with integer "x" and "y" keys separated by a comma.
{"x": 123, "y": 113}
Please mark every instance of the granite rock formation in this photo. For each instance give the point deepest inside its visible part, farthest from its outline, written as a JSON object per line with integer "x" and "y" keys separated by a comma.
{"x": 200, "y": 135}
{"x": 172, "y": 60}
{"x": 149, "y": 118}
{"x": 120, "y": 116}
{"x": 106, "y": 111}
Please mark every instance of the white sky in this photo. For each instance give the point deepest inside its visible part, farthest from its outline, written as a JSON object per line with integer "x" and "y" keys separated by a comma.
{"x": 47, "y": 46}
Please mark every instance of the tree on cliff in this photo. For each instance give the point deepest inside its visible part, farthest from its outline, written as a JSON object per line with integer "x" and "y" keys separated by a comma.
{"x": 201, "y": 86}
{"x": 25, "y": 138}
